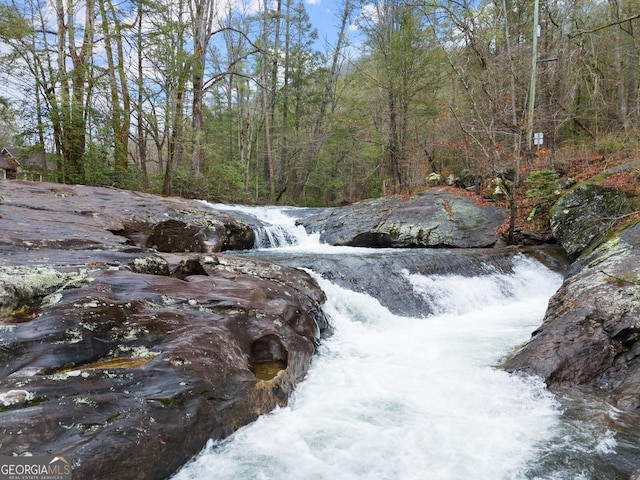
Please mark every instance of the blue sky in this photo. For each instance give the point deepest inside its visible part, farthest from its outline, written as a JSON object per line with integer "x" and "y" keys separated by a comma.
{"x": 324, "y": 15}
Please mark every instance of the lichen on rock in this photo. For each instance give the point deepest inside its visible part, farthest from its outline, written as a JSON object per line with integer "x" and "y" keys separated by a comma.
{"x": 429, "y": 219}
{"x": 591, "y": 332}
{"x": 586, "y": 213}
{"x": 25, "y": 285}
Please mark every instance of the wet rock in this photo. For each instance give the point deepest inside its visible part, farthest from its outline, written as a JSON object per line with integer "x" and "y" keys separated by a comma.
{"x": 588, "y": 348}
{"x": 387, "y": 278}
{"x": 41, "y": 217}
{"x": 124, "y": 359}
{"x": 177, "y": 236}
{"x": 430, "y": 219}
{"x": 591, "y": 333}
{"x": 155, "y": 362}
{"x": 23, "y": 285}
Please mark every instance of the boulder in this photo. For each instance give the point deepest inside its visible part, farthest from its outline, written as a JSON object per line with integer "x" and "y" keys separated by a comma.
{"x": 590, "y": 336}
{"x": 433, "y": 218}
{"x": 123, "y": 359}
{"x": 39, "y": 216}
{"x": 588, "y": 347}
{"x": 176, "y": 236}
{"x": 467, "y": 179}
{"x": 585, "y": 214}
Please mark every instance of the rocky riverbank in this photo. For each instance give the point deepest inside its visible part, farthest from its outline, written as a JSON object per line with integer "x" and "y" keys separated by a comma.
{"x": 588, "y": 347}
{"x": 127, "y": 340}
{"x": 122, "y": 325}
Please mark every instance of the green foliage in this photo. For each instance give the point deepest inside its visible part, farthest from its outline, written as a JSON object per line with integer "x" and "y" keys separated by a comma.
{"x": 13, "y": 26}
{"x": 101, "y": 170}
{"x": 97, "y": 168}
{"x": 221, "y": 182}
{"x": 543, "y": 190}
{"x": 130, "y": 178}
{"x": 542, "y": 184}
{"x": 7, "y": 122}
{"x": 610, "y": 144}
{"x": 423, "y": 94}
{"x": 184, "y": 182}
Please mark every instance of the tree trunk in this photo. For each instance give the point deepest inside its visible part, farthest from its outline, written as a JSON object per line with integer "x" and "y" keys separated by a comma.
{"x": 125, "y": 124}
{"x": 60, "y": 102}
{"x": 333, "y": 72}
{"x": 285, "y": 169}
{"x": 142, "y": 137}
{"x": 269, "y": 94}
{"x": 618, "y": 66}
{"x": 176, "y": 138}
{"x": 395, "y": 149}
{"x": 118, "y": 123}
{"x": 74, "y": 126}
{"x": 201, "y": 18}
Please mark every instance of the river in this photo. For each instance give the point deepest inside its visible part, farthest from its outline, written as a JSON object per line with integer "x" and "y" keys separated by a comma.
{"x": 394, "y": 394}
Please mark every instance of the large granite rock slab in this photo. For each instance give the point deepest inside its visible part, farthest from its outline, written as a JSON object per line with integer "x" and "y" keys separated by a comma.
{"x": 433, "y": 218}
{"x": 37, "y": 217}
{"x": 125, "y": 360}
{"x": 588, "y": 347}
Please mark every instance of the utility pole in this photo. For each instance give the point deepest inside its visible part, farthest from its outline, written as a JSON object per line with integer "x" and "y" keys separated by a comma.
{"x": 534, "y": 72}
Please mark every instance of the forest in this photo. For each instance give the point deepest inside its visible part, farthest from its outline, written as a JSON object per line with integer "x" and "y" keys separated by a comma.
{"x": 242, "y": 101}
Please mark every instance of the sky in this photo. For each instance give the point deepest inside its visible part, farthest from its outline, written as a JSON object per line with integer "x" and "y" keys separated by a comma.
{"x": 325, "y": 16}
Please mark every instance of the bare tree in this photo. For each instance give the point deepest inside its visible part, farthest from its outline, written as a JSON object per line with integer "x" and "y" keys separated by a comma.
{"x": 120, "y": 100}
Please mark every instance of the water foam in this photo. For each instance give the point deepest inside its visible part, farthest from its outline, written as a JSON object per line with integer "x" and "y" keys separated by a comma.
{"x": 392, "y": 397}
{"x": 277, "y": 225}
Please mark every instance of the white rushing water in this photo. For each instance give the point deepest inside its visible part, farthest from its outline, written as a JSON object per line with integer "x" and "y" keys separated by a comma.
{"x": 279, "y": 227}
{"x": 391, "y": 397}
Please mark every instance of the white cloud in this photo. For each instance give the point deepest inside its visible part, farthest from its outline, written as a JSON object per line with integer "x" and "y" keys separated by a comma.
{"x": 369, "y": 11}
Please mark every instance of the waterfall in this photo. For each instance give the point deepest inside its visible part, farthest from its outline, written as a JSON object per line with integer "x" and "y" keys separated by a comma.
{"x": 396, "y": 396}
{"x": 275, "y": 227}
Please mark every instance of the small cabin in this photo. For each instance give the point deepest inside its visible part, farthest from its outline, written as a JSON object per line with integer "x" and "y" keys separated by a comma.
{"x": 32, "y": 164}
{"x": 9, "y": 165}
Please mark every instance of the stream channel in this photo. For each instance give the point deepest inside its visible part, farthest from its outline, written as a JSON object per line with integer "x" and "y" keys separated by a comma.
{"x": 409, "y": 385}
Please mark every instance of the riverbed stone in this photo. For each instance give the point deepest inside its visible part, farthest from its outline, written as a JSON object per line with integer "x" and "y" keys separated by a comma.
{"x": 434, "y": 218}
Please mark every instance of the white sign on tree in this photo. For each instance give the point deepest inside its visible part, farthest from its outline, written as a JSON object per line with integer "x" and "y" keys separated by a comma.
{"x": 538, "y": 138}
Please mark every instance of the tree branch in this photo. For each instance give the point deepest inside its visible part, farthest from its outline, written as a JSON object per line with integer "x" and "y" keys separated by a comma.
{"x": 602, "y": 27}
